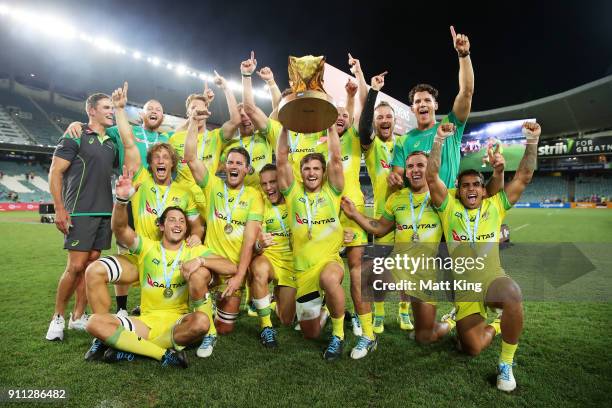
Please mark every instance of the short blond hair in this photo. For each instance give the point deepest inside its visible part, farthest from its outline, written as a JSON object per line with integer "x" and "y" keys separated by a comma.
{"x": 194, "y": 97}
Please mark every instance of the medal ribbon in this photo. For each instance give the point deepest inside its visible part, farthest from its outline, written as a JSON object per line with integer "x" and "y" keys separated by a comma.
{"x": 280, "y": 219}
{"x": 250, "y": 147}
{"x": 309, "y": 213}
{"x": 201, "y": 152}
{"x": 226, "y": 196}
{"x": 472, "y": 234}
{"x": 161, "y": 205}
{"x": 167, "y": 277}
{"x": 415, "y": 221}
{"x": 146, "y": 137}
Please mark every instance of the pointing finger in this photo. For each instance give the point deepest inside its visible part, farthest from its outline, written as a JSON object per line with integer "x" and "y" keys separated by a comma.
{"x": 384, "y": 73}
{"x": 452, "y": 30}
{"x": 125, "y": 88}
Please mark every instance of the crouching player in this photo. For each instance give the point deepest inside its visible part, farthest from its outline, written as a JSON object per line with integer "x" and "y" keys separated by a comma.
{"x": 418, "y": 231}
{"x": 471, "y": 226}
{"x": 273, "y": 260}
{"x": 165, "y": 324}
{"x": 317, "y": 235}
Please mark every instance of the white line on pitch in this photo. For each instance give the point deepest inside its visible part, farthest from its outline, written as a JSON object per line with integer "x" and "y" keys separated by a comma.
{"x": 522, "y": 226}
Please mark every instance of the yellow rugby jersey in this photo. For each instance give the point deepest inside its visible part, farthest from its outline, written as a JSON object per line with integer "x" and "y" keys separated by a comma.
{"x": 397, "y": 209}
{"x": 378, "y": 164}
{"x": 210, "y": 146}
{"x": 249, "y": 207}
{"x": 145, "y": 204}
{"x": 327, "y": 233}
{"x": 487, "y": 234}
{"x": 281, "y": 250}
{"x": 153, "y": 282}
{"x": 300, "y": 144}
{"x": 259, "y": 150}
{"x": 351, "y": 162}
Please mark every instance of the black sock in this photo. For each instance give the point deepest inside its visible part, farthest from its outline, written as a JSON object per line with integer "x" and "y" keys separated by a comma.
{"x": 121, "y": 302}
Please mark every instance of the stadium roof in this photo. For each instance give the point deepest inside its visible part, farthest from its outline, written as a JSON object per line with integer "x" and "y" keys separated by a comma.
{"x": 586, "y": 108}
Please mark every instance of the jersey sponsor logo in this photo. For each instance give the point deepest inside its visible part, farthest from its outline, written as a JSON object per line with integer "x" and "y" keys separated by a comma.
{"x": 345, "y": 158}
{"x": 149, "y": 209}
{"x": 220, "y": 216}
{"x": 401, "y": 227}
{"x": 241, "y": 203}
{"x": 155, "y": 284}
{"x": 481, "y": 237}
{"x": 384, "y": 164}
{"x": 91, "y": 140}
{"x": 300, "y": 220}
{"x": 74, "y": 243}
{"x": 302, "y": 150}
{"x": 257, "y": 158}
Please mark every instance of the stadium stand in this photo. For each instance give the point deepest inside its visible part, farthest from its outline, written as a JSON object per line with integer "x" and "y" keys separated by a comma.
{"x": 593, "y": 188}
{"x": 546, "y": 189}
{"x": 26, "y": 179}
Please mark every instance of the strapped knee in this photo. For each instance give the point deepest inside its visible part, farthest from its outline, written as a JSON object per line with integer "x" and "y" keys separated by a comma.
{"x": 226, "y": 317}
{"x": 126, "y": 323}
{"x": 308, "y": 307}
{"x": 113, "y": 268}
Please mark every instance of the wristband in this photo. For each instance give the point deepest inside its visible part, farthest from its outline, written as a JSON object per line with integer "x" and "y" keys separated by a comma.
{"x": 246, "y": 75}
{"x": 438, "y": 140}
{"x": 122, "y": 201}
{"x": 464, "y": 54}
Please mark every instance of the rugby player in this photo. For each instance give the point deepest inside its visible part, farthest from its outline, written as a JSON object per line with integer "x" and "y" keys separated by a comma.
{"x": 471, "y": 222}
{"x": 165, "y": 324}
{"x": 378, "y": 143}
{"x": 423, "y": 102}
{"x": 273, "y": 260}
{"x": 313, "y": 206}
{"x": 234, "y": 213}
{"x": 80, "y": 184}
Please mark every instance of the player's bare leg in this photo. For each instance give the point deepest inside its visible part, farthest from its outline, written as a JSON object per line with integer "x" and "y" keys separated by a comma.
{"x": 427, "y": 329}
{"x": 107, "y": 270}
{"x": 261, "y": 273}
{"x": 285, "y": 304}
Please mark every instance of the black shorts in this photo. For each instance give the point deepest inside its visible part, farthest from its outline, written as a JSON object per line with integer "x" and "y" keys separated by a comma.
{"x": 87, "y": 233}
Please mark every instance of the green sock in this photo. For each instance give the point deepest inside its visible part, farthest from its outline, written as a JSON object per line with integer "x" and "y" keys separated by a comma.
{"x": 205, "y": 306}
{"x": 379, "y": 309}
{"x": 129, "y": 341}
{"x": 507, "y": 352}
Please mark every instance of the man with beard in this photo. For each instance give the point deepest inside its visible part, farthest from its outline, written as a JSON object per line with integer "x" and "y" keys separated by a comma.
{"x": 273, "y": 260}
{"x": 80, "y": 184}
{"x": 165, "y": 324}
{"x": 471, "y": 223}
{"x": 317, "y": 235}
{"x": 234, "y": 213}
{"x": 423, "y": 102}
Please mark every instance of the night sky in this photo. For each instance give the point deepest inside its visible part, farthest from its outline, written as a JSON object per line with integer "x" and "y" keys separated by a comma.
{"x": 520, "y": 51}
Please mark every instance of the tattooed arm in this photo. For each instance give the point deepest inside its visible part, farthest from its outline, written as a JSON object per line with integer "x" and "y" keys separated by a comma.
{"x": 378, "y": 228}
{"x": 528, "y": 163}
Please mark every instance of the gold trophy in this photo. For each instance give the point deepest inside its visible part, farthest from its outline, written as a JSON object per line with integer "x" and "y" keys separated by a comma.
{"x": 308, "y": 109}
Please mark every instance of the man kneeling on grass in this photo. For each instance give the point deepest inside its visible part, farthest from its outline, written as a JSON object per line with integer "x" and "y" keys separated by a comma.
{"x": 165, "y": 325}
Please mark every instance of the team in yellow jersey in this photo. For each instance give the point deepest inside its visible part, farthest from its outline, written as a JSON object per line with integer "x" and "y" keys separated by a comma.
{"x": 286, "y": 224}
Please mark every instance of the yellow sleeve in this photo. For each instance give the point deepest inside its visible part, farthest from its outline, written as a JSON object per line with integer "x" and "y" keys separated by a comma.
{"x": 256, "y": 209}
{"x": 388, "y": 212}
{"x": 272, "y": 132}
{"x": 191, "y": 209}
{"x": 144, "y": 246}
{"x": 141, "y": 176}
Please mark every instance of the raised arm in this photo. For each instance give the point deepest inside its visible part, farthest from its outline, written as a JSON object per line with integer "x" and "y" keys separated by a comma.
{"x": 463, "y": 100}
{"x": 437, "y": 188}
{"x": 367, "y": 115}
{"x": 379, "y": 228}
{"x": 56, "y": 180}
{"x": 335, "y": 171}
{"x": 356, "y": 70}
{"x": 132, "y": 155}
{"x": 497, "y": 161}
{"x": 197, "y": 166}
{"x": 351, "y": 90}
{"x": 527, "y": 166}
{"x": 119, "y": 221}
{"x": 268, "y": 76}
{"x": 283, "y": 167}
{"x": 230, "y": 126}
{"x": 246, "y": 70}
{"x": 257, "y": 116}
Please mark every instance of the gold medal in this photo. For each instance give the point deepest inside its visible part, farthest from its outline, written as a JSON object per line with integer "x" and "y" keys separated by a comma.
{"x": 168, "y": 292}
{"x": 228, "y": 228}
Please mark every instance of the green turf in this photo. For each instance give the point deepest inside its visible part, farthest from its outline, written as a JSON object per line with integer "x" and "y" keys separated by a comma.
{"x": 563, "y": 357}
{"x": 512, "y": 153}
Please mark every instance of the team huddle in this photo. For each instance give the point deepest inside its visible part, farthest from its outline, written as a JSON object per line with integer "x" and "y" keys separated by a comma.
{"x": 206, "y": 217}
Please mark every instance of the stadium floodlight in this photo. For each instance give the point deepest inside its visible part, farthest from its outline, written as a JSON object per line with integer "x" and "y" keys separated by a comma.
{"x": 155, "y": 61}
{"x": 148, "y": 59}
{"x": 137, "y": 55}
{"x": 234, "y": 86}
{"x": 181, "y": 69}
{"x": 203, "y": 77}
{"x": 169, "y": 66}
{"x": 4, "y": 9}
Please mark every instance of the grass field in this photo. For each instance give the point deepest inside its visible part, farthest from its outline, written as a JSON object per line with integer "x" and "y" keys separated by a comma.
{"x": 563, "y": 357}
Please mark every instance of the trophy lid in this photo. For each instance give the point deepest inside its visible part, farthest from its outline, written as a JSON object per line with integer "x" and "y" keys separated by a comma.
{"x": 307, "y": 111}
